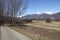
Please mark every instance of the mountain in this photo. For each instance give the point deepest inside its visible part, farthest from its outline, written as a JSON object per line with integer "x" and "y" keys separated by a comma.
{"x": 36, "y": 16}
{"x": 56, "y": 15}
{"x": 43, "y": 15}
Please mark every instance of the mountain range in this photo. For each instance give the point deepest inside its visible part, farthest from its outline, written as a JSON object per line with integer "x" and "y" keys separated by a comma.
{"x": 43, "y": 15}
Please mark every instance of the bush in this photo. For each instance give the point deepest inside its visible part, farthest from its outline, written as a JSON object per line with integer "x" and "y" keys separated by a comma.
{"x": 48, "y": 20}
{"x": 57, "y": 20}
{"x": 27, "y": 20}
{"x": 16, "y": 23}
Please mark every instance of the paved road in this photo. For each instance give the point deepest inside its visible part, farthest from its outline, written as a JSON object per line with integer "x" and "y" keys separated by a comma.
{"x": 0, "y": 33}
{"x": 9, "y": 34}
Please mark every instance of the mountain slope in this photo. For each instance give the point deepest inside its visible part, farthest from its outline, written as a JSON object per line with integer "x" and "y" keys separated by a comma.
{"x": 56, "y": 15}
{"x": 36, "y": 16}
{"x": 43, "y": 15}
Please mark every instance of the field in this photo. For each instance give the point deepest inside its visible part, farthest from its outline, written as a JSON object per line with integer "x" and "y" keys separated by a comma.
{"x": 43, "y": 23}
{"x": 40, "y": 30}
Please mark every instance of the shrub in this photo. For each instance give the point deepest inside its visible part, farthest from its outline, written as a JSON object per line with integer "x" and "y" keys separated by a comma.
{"x": 48, "y": 20}
{"x": 27, "y": 20}
{"x": 57, "y": 20}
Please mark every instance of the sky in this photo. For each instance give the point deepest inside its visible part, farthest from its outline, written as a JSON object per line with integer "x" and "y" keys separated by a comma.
{"x": 47, "y": 6}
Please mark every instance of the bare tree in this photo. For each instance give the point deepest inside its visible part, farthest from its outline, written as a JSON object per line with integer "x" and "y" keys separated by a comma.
{"x": 12, "y": 8}
{"x": 1, "y": 11}
{"x": 1, "y": 7}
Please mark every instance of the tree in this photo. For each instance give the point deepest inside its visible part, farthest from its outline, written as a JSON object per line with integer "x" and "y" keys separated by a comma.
{"x": 12, "y": 8}
{"x": 1, "y": 11}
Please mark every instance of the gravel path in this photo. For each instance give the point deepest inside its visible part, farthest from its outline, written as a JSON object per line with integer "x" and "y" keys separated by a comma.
{"x": 9, "y": 34}
{"x": 0, "y": 33}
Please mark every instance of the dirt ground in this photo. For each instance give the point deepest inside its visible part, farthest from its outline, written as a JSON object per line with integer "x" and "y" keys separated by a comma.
{"x": 40, "y": 33}
{"x": 44, "y": 33}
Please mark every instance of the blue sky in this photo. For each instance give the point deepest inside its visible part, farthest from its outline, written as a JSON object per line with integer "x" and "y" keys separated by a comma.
{"x": 43, "y": 6}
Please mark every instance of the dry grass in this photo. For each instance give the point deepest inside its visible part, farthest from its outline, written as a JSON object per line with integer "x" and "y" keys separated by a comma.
{"x": 43, "y": 23}
{"x": 37, "y": 33}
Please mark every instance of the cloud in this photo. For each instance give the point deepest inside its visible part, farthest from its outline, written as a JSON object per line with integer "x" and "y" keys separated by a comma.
{"x": 49, "y": 12}
{"x": 37, "y": 13}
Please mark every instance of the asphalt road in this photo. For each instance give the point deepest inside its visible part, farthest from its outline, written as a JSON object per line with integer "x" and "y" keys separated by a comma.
{"x": 9, "y": 34}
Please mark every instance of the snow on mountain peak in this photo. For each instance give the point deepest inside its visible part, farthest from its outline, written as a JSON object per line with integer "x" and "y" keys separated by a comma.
{"x": 37, "y": 13}
{"x": 49, "y": 13}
